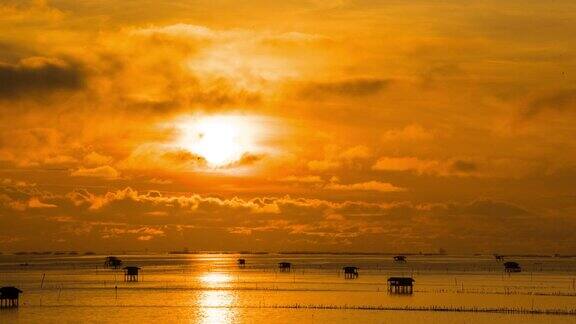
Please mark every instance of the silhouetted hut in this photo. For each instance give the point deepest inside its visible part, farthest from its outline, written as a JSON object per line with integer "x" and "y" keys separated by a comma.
{"x": 131, "y": 274}
{"x": 400, "y": 258}
{"x": 512, "y": 267}
{"x": 498, "y": 257}
{"x": 9, "y": 297}
{"x": 284, "y": 266}
{"x": 350, "y": 272}
{"x": 400, "y": 285}
{"x": 112, "y": 262}
{"x": 241, "y": 263}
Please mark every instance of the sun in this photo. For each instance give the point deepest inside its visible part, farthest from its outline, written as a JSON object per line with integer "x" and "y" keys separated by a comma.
{"x": 220, "y": 140}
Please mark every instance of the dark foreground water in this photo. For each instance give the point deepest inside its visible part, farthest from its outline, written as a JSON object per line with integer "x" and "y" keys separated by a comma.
{"x": 210, "y": 288}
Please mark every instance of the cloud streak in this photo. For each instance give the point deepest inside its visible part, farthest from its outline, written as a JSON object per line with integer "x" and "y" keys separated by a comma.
{"x": 35, "y": 76}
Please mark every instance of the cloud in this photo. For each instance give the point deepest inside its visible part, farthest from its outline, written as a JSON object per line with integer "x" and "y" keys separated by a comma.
{"x": 344, "y": 88}
{"x": 464, "y": 166}
{"x": 35, "y": 202}
{"x": 214, "y": 67}
{"x": 21, "y": 196}
{"x": 323, "y": 165}
{"x": 453, "y": 167}
{"x": 365, "y": 186}
{"x": 357, "y": 152}
{"x": 437, "y": 73}
{"x": 349, "y": 102}
{"x": 96, "y": 159}
{"x": 34, "y": 76}
{"x": 105, "y": 172}
{"x": 155, "y": 156}
{"x": 412, "y": 132}
{"x": 247, "y": 159}
{"x": 494, "y": 209}
{"x": 178, "y": 30}
{"x": 37, "y": 146}
{"x": 561, "y": 101}
{"x": 131, "y": 217}
{"x": 203, "y": 33}
{"x": 406, "y": 164}
{"x": 336, "y": 158}
{"x": 302, "y": 179}
{"x": 144, "y": 233}
{"x": 160, "y": 181}
{"x": 32, "y": 12}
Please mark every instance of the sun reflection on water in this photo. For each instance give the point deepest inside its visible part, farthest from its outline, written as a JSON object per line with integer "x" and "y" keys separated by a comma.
{"x": 215, "y": 278}
{"x": 216, "y": 304}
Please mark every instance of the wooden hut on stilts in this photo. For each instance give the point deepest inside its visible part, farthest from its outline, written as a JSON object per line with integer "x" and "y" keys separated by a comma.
{"x": 400, "y": 285}
{"x": 284, "y": 266}
{"x": 512, "y": 267}
{"x": 9, "y": 297}
{"x": 112, "y": 262}
{"x": 350, "y": 272}
{"x": 131, "y": 274}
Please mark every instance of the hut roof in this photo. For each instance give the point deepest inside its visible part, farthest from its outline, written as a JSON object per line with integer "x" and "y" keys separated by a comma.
{"x": 401, "y": 281}
{"x": 6, "y": 290}
{"x": 511, "y": 264}
{"x": 132, "y": 268}
{"x": 10, "y": 291}
{"x": 284, "y": 263}
{"x": 350, "y": 268}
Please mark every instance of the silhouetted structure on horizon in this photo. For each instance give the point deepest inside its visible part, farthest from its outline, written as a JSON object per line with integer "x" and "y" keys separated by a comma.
{"x": 131, "y": 274}
{"x": 400, "y": 258}
{"x": 9, "y": 297}
{"x": 113, "y": 262}
{"x": 400, "y": 285}
{"x": 284, "y": 266}
{"x": 499, "y": 257}
{"x": 241, "y": 263}
{"x": 350, "y": 272}
{"x": 512, "y": 267}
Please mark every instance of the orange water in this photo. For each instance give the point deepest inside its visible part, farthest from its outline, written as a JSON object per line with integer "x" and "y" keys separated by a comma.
{"x": 210, "y": 288}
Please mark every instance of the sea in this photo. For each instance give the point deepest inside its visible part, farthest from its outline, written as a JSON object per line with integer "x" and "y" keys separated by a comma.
{"x": 189, "y": 287}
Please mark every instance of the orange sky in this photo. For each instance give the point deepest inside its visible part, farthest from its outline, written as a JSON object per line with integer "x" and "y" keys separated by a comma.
{"x": 297, "y": 125}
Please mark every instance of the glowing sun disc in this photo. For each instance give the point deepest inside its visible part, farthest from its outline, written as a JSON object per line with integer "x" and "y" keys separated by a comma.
{"x": 220, "y": 140}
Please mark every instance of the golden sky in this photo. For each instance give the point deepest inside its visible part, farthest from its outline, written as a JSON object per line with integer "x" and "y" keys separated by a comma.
{"x": 343, "y": 125}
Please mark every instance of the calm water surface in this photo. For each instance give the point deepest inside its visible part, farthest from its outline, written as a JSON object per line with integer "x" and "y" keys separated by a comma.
{"x": 210, "y": 288}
